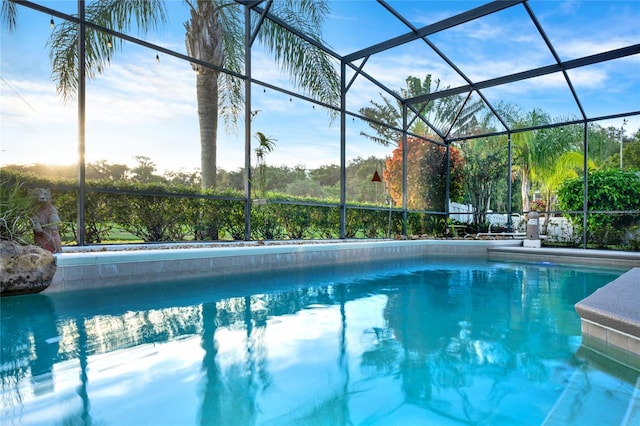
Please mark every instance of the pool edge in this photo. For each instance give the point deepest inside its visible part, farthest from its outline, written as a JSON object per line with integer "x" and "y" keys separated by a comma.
{"x": 90, "y": 269}
{"x": 610, "y": 319}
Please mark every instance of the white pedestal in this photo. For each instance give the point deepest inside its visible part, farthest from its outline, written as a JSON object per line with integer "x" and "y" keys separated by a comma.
{"x": 531, "y": 243}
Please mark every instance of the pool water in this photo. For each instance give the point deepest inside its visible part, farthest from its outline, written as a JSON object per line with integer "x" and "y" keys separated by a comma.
{"x": 401, "y": 342}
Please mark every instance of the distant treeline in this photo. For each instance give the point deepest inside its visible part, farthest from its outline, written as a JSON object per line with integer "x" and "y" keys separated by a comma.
{"x": 322, "y": 182}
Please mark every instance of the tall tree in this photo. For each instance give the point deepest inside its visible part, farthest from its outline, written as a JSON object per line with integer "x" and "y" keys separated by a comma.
{"x": 427, "y": 165}
{"x": 567, "y": 165}
{"x": 560, "y": 155}
{"x": 426, "y": 160}
{"x": 145, "y": 170}
{"x": 447, "y": 115}
{"x": 104, "y": 170}
{"x": 630, "y": 154}
{"x": 266, "y": 144}
{"x": 603, "y": 144}
{"x": 527, "y": 153}
{"x": 485, "y": 166}
{"x": 215, "y": 35}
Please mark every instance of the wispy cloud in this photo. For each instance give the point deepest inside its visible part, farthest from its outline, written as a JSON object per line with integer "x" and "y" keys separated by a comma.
{"x": 142, "y": 89}
{"x": 577, "y": 47}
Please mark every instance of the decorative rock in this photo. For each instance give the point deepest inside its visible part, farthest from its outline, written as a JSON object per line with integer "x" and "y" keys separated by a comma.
{"x": 24, "y": 269}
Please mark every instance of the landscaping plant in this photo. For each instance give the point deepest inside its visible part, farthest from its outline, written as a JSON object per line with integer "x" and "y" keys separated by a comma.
{"x": 609, "y": 190}
{"x": 16, "y": 209}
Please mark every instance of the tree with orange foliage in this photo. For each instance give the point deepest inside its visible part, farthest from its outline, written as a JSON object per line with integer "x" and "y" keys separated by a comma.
{"x": 426, "y": 175}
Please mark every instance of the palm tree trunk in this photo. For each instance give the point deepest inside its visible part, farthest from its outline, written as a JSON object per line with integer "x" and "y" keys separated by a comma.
{"x": 525, "y": 190}
{"x": 204, "y": 42}
{"x": 207, "y": 96}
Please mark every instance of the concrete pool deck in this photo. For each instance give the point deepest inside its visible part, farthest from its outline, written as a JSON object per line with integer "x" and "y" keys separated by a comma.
{"x": 610, "y": 317}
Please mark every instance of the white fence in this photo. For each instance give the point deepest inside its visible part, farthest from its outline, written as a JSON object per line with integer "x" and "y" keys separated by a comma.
{"x": 559, "y": 229}
{"x": 463, "y": 213}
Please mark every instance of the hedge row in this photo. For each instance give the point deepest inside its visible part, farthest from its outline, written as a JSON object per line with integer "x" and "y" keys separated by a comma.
{"x": 159, "y": 212}
{"x": 167, "y": 217}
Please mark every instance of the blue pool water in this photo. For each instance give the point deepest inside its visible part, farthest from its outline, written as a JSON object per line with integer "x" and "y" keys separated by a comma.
{"x": 403, "y": 342}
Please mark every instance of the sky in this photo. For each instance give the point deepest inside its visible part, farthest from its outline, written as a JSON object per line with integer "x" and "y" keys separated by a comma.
{"x": 140, "y": 106}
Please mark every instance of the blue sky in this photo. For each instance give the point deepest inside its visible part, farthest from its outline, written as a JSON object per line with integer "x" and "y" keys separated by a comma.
{"x": 139, "y": 106}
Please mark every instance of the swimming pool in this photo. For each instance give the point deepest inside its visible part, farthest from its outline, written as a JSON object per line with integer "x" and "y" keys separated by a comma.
{"x": 396, "y": 342}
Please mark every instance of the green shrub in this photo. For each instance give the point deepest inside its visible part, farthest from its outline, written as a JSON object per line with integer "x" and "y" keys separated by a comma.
{"x": 370, "y": 223}
{"x": 67, "y": 204}
{"x": 154, "y": 212}
{"x": 296, "y": 220}
{"x": 325, "y": 222}
{"x": 608, "y": 190}
{"x": 266, "y": 222}
{"x": 417, "y": 223}
{"x": 231, "y": 216}
{"x": 16, "y": 209}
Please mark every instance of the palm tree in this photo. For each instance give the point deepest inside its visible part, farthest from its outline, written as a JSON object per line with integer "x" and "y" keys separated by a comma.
{"x": 440, "y": 113}
{"x": 569, "y": 164}
{"x": 425, "y": 160}
{"x": 214, "y": 35}
{"x": 266, "y": 144}
{"x": 560, "y": 156}
{"x": 527, "y": 152}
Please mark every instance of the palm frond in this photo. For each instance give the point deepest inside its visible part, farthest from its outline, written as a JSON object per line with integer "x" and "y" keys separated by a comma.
{"x": 308, "y": 67}
{"x": 118, "y": 15}
{"x": 266, "y": 143}
{"x": 442, "y": 115}
{"x": 8, "y": 14}
{"x": 231, "y": 89}
{"x": 567, "y": 165}
{"x": 384, "y": 141}
{"x": 384, "y": 117}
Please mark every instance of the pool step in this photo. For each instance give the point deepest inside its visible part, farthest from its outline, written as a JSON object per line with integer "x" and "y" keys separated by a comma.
{"x": 594, "y": 398}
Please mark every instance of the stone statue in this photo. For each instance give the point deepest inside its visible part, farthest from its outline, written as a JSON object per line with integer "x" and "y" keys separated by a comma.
{"x": 45, "y": 222}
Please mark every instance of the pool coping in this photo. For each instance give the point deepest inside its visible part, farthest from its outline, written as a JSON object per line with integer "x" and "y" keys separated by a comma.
{"x": 610, "y": 319}
{"x": 602, "y": 258}
{"x": 96, "y": 266}
{"x": 90, "y": 268}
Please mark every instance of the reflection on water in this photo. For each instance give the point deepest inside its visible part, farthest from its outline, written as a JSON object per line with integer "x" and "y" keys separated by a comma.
{"x": 412, "y": 342}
